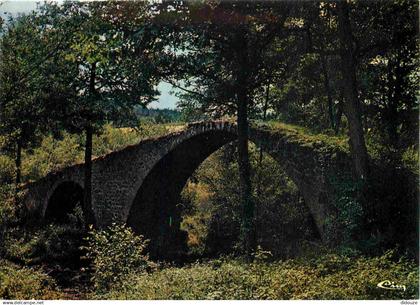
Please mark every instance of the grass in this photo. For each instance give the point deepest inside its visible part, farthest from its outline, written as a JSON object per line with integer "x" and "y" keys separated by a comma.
{"x": 320, "y": 274}
{"x": 305, "y": 135}
{"x": 330, "y": 276}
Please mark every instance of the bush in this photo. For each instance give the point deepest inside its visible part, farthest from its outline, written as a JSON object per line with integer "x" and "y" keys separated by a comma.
{"x": 115, "y": 253}
{"x": 25, "y": 283}
{"x": 53, "y": 243}
{"x": 410, "y": 158}
{"x": 8, "y": 217}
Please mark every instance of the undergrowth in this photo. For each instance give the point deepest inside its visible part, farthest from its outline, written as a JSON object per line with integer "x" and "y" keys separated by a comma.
{"x": 330, "y": 276}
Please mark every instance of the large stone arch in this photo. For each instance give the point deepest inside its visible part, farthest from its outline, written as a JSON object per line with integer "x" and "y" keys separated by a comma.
{"x": 153, "y": 211}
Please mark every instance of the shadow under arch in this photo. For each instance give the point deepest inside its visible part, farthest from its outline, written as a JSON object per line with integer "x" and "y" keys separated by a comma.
{"x": 64, "y": 199}
{"x": 154, "y": 213}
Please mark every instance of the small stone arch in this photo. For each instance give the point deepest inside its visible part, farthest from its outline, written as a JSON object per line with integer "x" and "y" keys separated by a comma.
{"x": 62, "y": 201}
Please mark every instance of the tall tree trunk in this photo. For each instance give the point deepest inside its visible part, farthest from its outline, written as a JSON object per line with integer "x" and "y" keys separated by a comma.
{"x": 87, "y": 200}
{"x": 18, "y": 165}
{"x": 351, "y": 106}
{"x": 260, "y": 160}
{"x": 88, "y": 210}
{"x": 265, "y": 108}
{"x": 328, "y": 91}
{"x": 244, "y": 174}
{"x": 247, "y": 234}
{"x": 338, "y": 116}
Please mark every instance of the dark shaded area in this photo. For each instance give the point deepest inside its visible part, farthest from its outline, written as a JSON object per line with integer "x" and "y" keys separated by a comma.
{"x": 154, "y": 213}
{"x": 58, "y": 245}
{"x": 63, "y": 202}
{"x": 392, "y": 211}
{"x": 283, "y": 240}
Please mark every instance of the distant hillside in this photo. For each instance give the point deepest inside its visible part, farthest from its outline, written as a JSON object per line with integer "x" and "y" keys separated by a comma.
{"x": 159, "y": 115}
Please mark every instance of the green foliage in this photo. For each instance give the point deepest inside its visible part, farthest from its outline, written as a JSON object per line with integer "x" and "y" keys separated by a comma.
{"x": 8, "y": 215}
{"x": 330, "y": 276}
{"x": 55, "y": 153}
{"x": 410, "y": 158}
{"x": 345, "y": 226}
{"x": 149, "y": 129}
{"x": 197, "y": 210}
{"x": 7, "y": 169}
{"x": 115, "y": 253}
{"x": 112, "y": 139}
{"x": 53, "y": 243}
{"x": 23, "y": 50}
{"x": 77, "y": 64}
{"x": 57, "y": 243}
{"x": 159, "y": 115}
{"x": 51, "y": 155}
{"x": 22, "y": 283}
{"x": 302, "y": 98}
{"x": 306, "y": 136}
{"x": 108, "y": 71}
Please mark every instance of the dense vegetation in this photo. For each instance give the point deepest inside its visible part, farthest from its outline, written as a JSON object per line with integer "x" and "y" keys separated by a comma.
{"x": 316, "y": 274}
{"x": 324, "y": 277}
{"x": 75, "y": 82}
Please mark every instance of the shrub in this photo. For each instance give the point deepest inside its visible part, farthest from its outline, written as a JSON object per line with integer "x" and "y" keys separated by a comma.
{"x": 52, "y": 155}
{"x": 8, "y": 217}
{"x": 7, "y": 169}
{"x": 410, "y": 158}
{"x": 25, "y": 283}
{"x": 344, "y": 227}
{"x": 115, "y": 253}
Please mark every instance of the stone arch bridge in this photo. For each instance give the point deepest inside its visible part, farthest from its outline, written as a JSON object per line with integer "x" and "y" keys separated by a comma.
{"x": 141, "y": 184}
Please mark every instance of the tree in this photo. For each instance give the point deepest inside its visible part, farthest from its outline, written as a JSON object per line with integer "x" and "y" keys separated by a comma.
{"x": 109, "y": 60}
{"x": 352, "y": 104}
{"x": 222, "y": 57}
{"x": 23, "y": 117}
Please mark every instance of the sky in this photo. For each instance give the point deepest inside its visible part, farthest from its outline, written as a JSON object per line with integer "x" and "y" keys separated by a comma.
{"x": 16, "y": 7}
